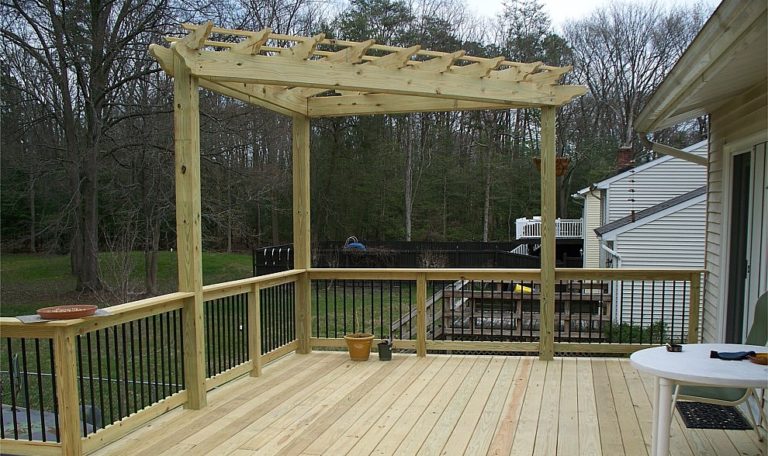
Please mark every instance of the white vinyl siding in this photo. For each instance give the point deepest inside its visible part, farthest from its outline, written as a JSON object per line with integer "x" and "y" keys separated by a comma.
{"x": 743, "y": 117}
{"x": 675, "y": 240}
{"x": 648, "y": 187}
{"x": 591, "y": 221}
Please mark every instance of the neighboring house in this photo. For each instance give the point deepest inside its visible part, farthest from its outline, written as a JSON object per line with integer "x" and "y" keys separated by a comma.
{"x": 612, "y": 236}
{"x": 724, "y": 74}
{"x": 650, "y": 216}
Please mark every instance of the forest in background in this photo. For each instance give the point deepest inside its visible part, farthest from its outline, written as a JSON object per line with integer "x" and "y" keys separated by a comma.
{"x": 87, "y": 127}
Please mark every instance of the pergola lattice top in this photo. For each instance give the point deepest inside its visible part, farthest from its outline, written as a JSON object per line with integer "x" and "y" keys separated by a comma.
{"x": 319, "y": 77}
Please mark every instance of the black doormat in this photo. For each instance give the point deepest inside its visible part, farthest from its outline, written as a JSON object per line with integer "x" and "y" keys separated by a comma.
{"x": 698, "y": 415}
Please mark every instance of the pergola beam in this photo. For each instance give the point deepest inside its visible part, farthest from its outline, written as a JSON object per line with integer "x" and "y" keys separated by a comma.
{"x": 276, "y": 70}
{"x": 367, "y": 104}
{"x": 273, "y": 98}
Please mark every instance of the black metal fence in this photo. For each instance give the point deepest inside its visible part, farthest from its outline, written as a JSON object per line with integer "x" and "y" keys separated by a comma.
{"x": 268, "y": 260}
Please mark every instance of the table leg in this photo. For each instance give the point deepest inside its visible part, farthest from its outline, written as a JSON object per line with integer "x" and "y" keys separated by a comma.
{"x": 655, "y": 423}
{"x": 664, "y": 414}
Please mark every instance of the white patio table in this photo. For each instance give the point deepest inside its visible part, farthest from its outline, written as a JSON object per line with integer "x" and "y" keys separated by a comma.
{"x": 693, "y": 366}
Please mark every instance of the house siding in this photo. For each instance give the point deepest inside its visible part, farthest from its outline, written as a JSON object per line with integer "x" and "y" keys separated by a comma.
{"x": 675, "y": 240}
{"x": 591, "y": 221}
{"x": 650, "y": 186}
{"x": 742, "y": 117}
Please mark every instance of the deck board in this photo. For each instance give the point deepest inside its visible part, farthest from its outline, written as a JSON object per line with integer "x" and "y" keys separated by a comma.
{"x": 442, "y": 404}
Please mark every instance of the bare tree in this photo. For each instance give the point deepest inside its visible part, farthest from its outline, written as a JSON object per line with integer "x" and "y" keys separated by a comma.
{"x": 88, "y": 49}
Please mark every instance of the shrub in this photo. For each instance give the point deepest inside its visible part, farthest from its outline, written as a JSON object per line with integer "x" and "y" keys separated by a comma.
{"x": 625, "y": 333}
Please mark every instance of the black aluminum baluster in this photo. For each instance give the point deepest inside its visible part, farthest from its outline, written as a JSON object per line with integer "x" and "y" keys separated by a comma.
{"x": 119, "y": 395}
{"x": 25, "y": 382}
{"x": 125, "y": 370}
{"x": 181, "y": 349}
{"x": 90, "y": 375}
{"x": 136, "y": 405}
{"x": 344, "y": 301}
{"x": 78, "y": 338}
{"x": 101, "y": 374}
{"x": 53, "y": 389}
{"x": 335, "y": 308}
{"x": 39, "y": 390}
{"x": 156, "y": 385}
{"x": 12, "y": 380}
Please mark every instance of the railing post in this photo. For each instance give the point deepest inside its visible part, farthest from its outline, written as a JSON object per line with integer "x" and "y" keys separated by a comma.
{"x": 421, "y": 315}
{"x": 65, "y": 362}
{"x": 693, "y": 309}
{"x": 254, "y": 328}
{"x": 548, "y": 182}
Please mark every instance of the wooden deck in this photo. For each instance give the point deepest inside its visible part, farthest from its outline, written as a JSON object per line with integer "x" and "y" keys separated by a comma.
{"x": 442, "y": 404}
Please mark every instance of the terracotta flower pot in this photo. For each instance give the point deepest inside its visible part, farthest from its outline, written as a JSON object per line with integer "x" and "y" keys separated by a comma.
{"x": 561, "y": 165}
{"x": 359, "y": 345}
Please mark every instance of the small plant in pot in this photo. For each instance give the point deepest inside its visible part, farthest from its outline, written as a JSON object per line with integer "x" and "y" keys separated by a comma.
{"x": 359, "y": 345}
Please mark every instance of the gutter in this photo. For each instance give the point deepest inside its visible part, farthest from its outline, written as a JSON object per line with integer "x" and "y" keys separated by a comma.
{"x": 669, "y": 150}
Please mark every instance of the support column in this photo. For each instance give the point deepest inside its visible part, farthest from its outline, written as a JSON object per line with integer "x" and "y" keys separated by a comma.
{"x": 421, "y": 315}
{"x": 302, "y": 254}
{"x": 254, "y": 329}
{"x": 66, "y": 391}
{"x": 548, "y": 192}
{"x": 189, "y": 246}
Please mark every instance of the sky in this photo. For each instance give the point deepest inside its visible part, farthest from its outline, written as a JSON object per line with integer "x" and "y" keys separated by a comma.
{"x": 561, "y": 11}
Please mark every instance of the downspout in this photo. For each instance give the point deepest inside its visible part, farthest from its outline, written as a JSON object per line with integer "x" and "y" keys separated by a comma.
{"x": 613, "y": 253}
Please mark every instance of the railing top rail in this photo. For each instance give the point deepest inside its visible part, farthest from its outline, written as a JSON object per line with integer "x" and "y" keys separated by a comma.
{"x": 221, "y": 289}
{"x": 626, "y": 274}
{"x": 12, "y": 327}
{"x": 431, "y": 274}
{"x": 502, "y": 274}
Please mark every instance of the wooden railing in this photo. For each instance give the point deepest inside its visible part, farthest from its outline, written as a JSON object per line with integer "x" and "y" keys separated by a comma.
{"x": 596, "y": 311}
{"x": 252, "y": 321}
{"x": 98, "y": 378}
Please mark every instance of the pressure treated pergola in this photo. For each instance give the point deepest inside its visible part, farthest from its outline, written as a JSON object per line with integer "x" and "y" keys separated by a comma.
{"x": 306, "y": 77}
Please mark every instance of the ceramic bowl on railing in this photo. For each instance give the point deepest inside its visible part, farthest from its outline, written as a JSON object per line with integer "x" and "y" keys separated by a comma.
{"x": 66, "y": 312}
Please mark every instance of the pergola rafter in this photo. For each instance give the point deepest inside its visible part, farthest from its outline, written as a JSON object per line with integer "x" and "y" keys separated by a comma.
{"x": 320, "y": 77}
{"x": 307, "y": 77}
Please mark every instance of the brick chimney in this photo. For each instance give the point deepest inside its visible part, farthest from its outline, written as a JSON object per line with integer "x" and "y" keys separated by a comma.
{"x": 624, "y": 158}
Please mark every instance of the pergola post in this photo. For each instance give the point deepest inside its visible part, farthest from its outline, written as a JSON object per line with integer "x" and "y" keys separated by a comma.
{"x": 186, "y": 118}
{"x": 548, "y": 183}
{"x": 302, "y": 255}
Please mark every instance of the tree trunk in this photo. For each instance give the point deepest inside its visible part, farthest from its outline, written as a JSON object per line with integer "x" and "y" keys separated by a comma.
{"x": 445, "y": 206}
{"x": 32, "y": 214}
{"x": 487, "y": 199}
{"x": 274, "y": 220}
{"x": 408, "y": 181}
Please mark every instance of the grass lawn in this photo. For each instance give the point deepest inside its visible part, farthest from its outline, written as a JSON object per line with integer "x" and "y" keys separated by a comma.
{"x": 29, "y": 282}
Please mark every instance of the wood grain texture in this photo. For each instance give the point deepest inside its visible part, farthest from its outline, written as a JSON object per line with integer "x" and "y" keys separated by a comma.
{"x": 254, "y": 329}
{"x": 67, "y": 395}
{"x": 421, "y": 315}
{"x": 323, "y": 403}
{"x": 302, "y": 256}
{"x": 548, "y": 198}
{"x": 186, "y": 119}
